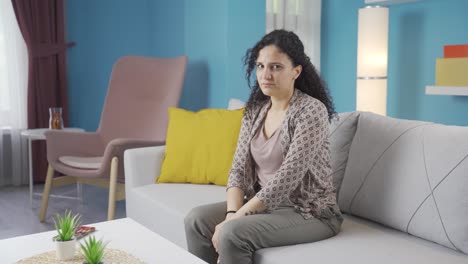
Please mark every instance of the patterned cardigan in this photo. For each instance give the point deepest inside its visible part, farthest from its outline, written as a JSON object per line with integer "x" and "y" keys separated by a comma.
{"x": 304, "y": 177}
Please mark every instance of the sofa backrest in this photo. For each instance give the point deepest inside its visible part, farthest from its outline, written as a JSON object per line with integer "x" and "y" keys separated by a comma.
{"x": 411, "y": 176}
{"x": 341, "y": 135}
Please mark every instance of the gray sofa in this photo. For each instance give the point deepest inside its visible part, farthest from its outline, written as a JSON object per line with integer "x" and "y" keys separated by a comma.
{"x": 402, "y": 186}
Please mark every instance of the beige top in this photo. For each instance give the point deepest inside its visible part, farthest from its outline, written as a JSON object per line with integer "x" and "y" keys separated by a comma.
{"x": 267, "y": 155}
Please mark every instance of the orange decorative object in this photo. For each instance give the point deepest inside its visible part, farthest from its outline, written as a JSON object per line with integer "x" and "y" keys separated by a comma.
{"x": 456, "y": 51}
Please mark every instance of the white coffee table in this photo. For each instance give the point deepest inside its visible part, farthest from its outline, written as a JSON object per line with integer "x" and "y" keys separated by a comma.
{"x": 124, "y": 234}
{"x": 38, "y": 134}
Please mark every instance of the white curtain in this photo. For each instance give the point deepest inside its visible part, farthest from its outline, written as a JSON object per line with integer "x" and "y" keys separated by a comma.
{"x": 302, "y": 17}
{"x": 13, "y": 98}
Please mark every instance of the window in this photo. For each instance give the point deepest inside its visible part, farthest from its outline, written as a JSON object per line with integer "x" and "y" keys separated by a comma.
{"x": 300, "y": 16}
{"x": 13, "y": 70}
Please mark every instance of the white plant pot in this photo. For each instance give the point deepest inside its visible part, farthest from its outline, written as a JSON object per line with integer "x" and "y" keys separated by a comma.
{"x": 66, "y": 249}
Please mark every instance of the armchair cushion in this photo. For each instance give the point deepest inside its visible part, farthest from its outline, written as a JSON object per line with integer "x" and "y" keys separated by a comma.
{"x": 90, "y": 163}
{"x": 200, "y": 145}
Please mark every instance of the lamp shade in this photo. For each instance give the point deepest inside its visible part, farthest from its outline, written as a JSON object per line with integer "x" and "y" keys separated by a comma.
{"x": 372, "y": 57}
{"x": 372, "y": 42}
{"x": 372, "y": 96}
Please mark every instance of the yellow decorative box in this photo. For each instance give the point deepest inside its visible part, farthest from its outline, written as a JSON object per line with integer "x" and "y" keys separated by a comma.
{"x": 452, "y": 71}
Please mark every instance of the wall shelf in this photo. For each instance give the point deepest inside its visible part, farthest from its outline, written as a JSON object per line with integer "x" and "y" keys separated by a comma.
{"x": 387, "y": 2}
{"x": 447, "y": 90}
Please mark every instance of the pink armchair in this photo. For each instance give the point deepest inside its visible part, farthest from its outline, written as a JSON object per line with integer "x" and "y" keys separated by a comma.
{"x": 134, "y": 115}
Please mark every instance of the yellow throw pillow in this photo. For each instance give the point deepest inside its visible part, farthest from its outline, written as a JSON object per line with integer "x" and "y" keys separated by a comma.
{"x": 200, "y": 145}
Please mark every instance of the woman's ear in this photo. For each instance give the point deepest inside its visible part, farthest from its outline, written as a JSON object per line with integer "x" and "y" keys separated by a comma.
{"x": 297, "y": 70}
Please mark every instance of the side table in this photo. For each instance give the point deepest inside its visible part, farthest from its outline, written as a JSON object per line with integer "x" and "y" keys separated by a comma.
{"x": 38, "y": 134}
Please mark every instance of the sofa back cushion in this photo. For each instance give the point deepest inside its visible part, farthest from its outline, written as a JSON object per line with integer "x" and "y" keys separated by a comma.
{"x": 411, "y": 176}
{"x": 341, "y": 135}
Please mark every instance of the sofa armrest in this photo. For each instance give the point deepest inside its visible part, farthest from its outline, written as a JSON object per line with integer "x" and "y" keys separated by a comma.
{"x": 142, "y": 165}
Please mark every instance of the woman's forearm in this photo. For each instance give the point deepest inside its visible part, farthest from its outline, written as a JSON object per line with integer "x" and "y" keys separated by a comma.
{"x": 235, "y": 199}
{"x": 254, "y": 206}
{"x": 235, "y": 202}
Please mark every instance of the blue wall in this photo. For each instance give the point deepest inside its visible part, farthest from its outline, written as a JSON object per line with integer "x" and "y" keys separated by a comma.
{"x": 417, "y": 35}
{"x": 246, "y": 25}
{"x": 216, "y": 33}
{"x": 103, "y": 31}
{"x": 213, "y": 33}
{"x": 167, "y": 28}
{"x": 205, "y": 45}
{"x": 418, "y": 31}
{"x": 339, "y": 51}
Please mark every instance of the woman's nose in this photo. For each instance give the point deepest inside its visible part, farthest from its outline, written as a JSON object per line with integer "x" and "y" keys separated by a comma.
{"x": 267, "y": 74}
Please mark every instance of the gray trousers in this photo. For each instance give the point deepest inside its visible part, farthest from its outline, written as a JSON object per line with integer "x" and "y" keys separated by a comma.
{"x": 239, "y": 238}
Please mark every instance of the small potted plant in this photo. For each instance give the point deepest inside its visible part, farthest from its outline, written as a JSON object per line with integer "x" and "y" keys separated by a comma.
{"x": 65, "y": 240}
{"x": 93, "y": 250}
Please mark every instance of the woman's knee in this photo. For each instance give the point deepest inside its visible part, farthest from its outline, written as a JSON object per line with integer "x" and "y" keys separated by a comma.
{"x": 194, "y": 217}
{"x": 204, "y": 216}
{"x": 230, "y": 235}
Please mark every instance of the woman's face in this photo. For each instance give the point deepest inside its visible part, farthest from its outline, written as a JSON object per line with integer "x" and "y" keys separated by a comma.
{"x": 275, "y": 72}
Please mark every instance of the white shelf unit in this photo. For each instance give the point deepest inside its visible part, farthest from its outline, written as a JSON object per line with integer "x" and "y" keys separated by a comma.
{"x": 387, "y": 2}
{"x": 447, "y": 90}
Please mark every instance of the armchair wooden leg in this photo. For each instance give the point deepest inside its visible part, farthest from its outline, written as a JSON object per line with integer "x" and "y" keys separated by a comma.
{"x": 45, "y": 194}
{"x": 112, "y": 188}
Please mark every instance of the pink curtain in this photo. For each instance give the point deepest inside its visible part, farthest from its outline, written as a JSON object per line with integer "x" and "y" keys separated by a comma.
{"x": 42, "y": 24}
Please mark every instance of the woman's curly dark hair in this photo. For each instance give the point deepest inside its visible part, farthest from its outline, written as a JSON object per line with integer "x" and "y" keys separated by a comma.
{"x": 308, "y": 81}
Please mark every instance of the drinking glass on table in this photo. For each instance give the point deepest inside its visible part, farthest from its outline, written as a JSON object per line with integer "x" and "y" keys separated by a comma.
{"x": 55, "y": 118}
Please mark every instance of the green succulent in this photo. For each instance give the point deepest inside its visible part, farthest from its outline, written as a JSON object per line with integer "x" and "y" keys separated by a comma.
{"x": 66, "y": 225}
{"x": 93, "y": 250}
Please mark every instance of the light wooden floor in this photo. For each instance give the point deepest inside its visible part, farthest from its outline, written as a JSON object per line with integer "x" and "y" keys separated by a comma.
{"x": 17, "y": 218}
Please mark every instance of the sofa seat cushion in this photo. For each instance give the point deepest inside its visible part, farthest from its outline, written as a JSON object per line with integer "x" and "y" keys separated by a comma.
{"x": 363, "y": 242}
{"x": 162, "y": 207}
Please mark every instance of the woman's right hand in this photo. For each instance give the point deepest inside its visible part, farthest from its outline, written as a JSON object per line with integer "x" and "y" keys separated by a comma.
{"x": 214, "y": 239}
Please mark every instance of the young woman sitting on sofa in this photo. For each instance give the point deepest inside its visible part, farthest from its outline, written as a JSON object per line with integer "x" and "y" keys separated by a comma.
{"x": 280, "y": 189}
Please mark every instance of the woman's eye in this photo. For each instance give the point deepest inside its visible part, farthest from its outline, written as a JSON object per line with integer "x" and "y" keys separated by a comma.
{"x": 276, "y": 67}
{"x": 260, "y": 66}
